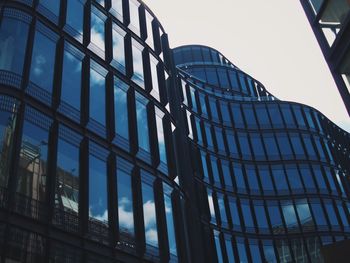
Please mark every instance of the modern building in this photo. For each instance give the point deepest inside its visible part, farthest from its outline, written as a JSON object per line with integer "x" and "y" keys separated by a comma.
{"x": 330, "y": 21}
{"x": 115, "y": 148}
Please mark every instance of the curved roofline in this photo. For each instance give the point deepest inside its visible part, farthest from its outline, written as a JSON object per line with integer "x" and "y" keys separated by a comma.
{"x": 153, "y": 14}
{"x": 200, "y": 45}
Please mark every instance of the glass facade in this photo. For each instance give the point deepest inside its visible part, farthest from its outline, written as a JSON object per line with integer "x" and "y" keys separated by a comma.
{"x": 111, "y": 153}
{"x": 277, "y": 176}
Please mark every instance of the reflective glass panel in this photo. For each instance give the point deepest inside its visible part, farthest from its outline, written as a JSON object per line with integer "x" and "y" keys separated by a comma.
{"x": 67, "y": 177}
{"x": 170, "y": 221}
{"x": 137, "y": 60}
{"x": 32, "y": 168}
{"x": 75, "y": 17}
{"x": 149, "y": 215}
{"x": 161, "y": 139}
{"x": 318, "y": 213}
{"x": 118, "y": 48}
{"x": 134, "y": 16}
{"x": 218, "y": 248}
{"x": 43, "y": 62}
{"x": 260, "y": 215}
{"x": 71, "y": 77}
{"x": 247, "y": 214}
{"x": 97, "y": 96}
{"x": 279, "y": 178}
{"x": 142, "y": 124}
{"x": 98, "y": 205}
{"x": 265, "y": 178}
{"x": 255, "y": 252}
{"x": 52, "y": 6}
{"x": 97, "y": 33}
{"x": 289, "y": 216}
{"x": 13, "y": 42}
{"x": 271, "y": 146}
{"x": 275, "y": 217}
{"x": 125, "y": 203}
{"x": 121, "y": 114}
{"x": 236, "y": 222}
{"x": 117, "y": 6}
{"x": 241, "y": 251}
{"x": 149, "y": 40}
{"x": 244, "y": 145}
{"x": 154, "y": 76}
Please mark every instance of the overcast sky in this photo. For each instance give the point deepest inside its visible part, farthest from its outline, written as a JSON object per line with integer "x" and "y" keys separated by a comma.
{"x": 271, "y": 40}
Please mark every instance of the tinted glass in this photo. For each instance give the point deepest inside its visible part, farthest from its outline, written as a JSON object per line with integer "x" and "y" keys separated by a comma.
{"x": 154, "y": 77}
{"x": 118, "y": 48}
{"x": 142, "y": 125}
{"x": 97, "y": 97}
{"x": 149, "y": 215}
{"x": 161, "y": 139}
{"x": 289, "y": 216}
{"x": 247, "y": 214}
{"x": 260, "y": 215}
{"x": 275, "y": 115}
{"x": 271, "y": 146}
{"x": 234, "y": 213}
{"x": 32, "y": 170}
{"x": 43, "y": 62}
{"x": 244, "y": 145}
{"x": 294, "y": 178}
{"x": 97, "y": 33}
{"x": 262, "y": 115}
{"x": 318, "y": 214}
{"x": 98, "y": 206}
{"x": 67, "y": 176}
{"x": 137, "y": 63}
{"x": 121, "y": 114}
{"x": 265, "y": 178}
{"x": 249, "y": 115}
{"x": 125, "y": 203}
{"x": 52, "y": 6}
{"x": 75, "y": 17}
{"x": 284, "y": 145}
{"x": 71, "y": 77}
{"x": 279, "y": 178}
{"x": 13, "y": 41}
{"x": 170, "y": 224}
{"x": 257, "y": 145}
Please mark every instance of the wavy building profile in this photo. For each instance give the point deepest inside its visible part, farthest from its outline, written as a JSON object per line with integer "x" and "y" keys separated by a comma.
{"x": 115, "y": 148}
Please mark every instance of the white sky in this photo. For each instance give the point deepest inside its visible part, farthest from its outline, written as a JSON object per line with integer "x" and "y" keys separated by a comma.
{"x": 269, "y": 39}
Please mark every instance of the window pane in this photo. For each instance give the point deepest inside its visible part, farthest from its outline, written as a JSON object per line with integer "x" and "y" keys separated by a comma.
{"x": 269, "y": 252}
{"x": 307, "y": 178}
{"x": 134, "y": 17}
{"x": 218, "y": 247}
{"x": 220, "y": 140}
{"x": 211, "y": 206}
{"x": 213, "y": 109}
{"x": 309, "y": 147}
{"x": 271, "y": 146}
{"x": 125, "y": 201}
{"x": 229, "y": 251}
{"x": 299, "y": 116}
{"x": 260, "y": 215}
{"x": 149, "y": 215}
{"x": 236, "y": 222}
{"x": 318, "y": 214}
{"x": 121, "y": 114}
{"x": 247, "y": 214}
{"x": 289, "y": 216}
{"x": 319, "y": 178}
{"x": 244, "y": 145}
{"x": 204, "y": 167}
{"x": 154, "y": 76}
{"x": 67, "y": 177}
{"x": 32, "y": 171}
{"x": 75, "y": 17}
{"x": 252, "y": 179}
{"x": 97, "y": 33}
{"x": 257, "y": 145}
{"x": 225, "y": 113}
{"x": 52, "y": 6}
{"x": 97, "y": 95}
{"x": 254, "y": 251}
{"x": 237, "y": 116}
{"x": 209, "y": 137}
{"x": 294, "y": 179}
{"x": 222, "y": 208}
{"x": 226, "y": 174}
{"x": 215, "y": 171}
{"x": 118, "y": 48}
{"x": 275, "y": 115}
{"x": 117, "y": 6}
{"x": 7, "y": 127}
{"x": 279, "y": 178}
{"x": 304, "y": 215}
{"x": 13, "y": 42}
{"x": 160, "y": 137}
{"x": 170, "y": 220}
{"x": 284, "y": 145}
{"x": 239, "y": 178}
{"x": 297, "y": 146}
{"x": 287, "y": 116}
{"x": 149, "y": 40}
{"x": 249, "y": 115}
{"x": 43, "y": 62}
{"x": 142, "y": 123}
{"x": 98, "y": 206}
{"x": 275, "y": 218}
{"x": 232, "y": 144}
{"x": 203, "y": 104}
{"x": 243, "y": 83}
{"x": 265, "y": 178}
{"x": 241, "y": 251}
{"x": 224, "y": 82}
{"x": 331, "y": 213}
{"x": 283, "y": 251}
{"x": 262, "y": 116}
{"x": 71, "y": 77}
{"x": 137, "y": 63}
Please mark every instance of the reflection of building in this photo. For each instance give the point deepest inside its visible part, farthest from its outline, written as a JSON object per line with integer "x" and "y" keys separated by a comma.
{"x": 114, "y": 147}
{"x": 330, "y": 21}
